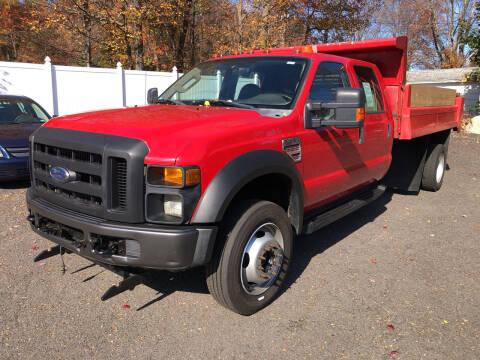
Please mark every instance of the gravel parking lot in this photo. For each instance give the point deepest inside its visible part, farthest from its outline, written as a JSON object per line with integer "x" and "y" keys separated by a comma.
{"x": 398, "y": 279}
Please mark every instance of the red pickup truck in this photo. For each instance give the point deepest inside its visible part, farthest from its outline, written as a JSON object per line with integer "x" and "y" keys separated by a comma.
{"x": 235, "y": 159}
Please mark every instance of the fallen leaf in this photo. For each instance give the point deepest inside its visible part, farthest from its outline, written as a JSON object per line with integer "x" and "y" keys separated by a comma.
{"x": 372, "y": 280}
{"x": 477, "y": 229}
{"x": 445, "y": 321}
{"x": 373, "y": 261}
{"x": 34, "y": 247}
{"x": 393, "y": 353}
{"x": 390, "y": 327}
{"x": 126, "y": 306}
{"x": 41, "y": 264}
{"x": 385, "y": 226}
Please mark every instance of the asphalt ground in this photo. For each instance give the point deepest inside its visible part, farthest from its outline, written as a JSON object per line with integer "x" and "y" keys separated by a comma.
{"x": 397, "y": 279}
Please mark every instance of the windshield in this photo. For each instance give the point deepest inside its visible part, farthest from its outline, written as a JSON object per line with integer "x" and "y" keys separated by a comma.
{"x": 260, "y": 82}
{"x": 14, "y": 111}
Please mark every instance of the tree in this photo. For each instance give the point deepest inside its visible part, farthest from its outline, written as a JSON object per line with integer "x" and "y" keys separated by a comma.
{"x": 451, "y": 23}
{"x": 79, "y": 23}
{"x": 474, "y": 39}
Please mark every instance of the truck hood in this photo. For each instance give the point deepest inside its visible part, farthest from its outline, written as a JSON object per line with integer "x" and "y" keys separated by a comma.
{"x": 167, "y": 129}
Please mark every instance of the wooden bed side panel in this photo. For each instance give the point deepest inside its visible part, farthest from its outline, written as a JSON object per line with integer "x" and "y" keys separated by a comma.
{"x": 428, "y": 96}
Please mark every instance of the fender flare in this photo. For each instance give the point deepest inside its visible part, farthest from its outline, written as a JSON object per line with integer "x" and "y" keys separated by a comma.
{"x": 239, "y": 172}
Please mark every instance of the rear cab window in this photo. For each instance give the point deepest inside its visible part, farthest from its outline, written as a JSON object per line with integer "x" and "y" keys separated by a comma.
{"x": 369, "y": 83}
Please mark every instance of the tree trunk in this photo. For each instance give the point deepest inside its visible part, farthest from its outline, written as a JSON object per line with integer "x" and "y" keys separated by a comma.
{"x": 138, "y": 39}
{"x": 88, "y": 32}
{"x": 179, "y": 54}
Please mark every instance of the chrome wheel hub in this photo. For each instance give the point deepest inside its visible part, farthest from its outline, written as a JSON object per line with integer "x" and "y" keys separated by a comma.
{"x": 262, "y": 259}
{"x": 440, "y": 168}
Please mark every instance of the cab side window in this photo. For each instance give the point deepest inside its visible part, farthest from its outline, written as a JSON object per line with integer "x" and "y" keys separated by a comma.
{"x": 328, "y": 77}
{"x": 369, "y": 83}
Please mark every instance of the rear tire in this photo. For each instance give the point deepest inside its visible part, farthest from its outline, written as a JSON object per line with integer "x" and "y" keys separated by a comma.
{"x": 251, "y": 258}
{"x": 434, "y": 170}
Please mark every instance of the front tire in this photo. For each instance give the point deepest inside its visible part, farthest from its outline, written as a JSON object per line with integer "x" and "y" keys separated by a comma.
{"x": 252, "y": 257}
{"x": 434, "y": 170}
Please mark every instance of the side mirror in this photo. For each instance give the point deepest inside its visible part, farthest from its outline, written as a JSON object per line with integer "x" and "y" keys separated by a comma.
{"x": 152, "y": 96}
{"x": 348, "y": 110}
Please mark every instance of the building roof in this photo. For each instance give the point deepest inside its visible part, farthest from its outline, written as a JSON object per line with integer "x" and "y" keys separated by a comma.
{"x": 439, "y": 76}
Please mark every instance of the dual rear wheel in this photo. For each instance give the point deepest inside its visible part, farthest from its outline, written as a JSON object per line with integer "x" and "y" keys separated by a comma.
{"x": 435, "y": 165}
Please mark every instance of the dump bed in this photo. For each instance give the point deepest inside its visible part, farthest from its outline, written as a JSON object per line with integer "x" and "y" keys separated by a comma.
{"x": 417, "y": 110}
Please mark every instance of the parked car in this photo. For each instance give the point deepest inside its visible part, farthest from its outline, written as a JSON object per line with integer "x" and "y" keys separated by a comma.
{"x": 234, "y": 159}
{"x": 20, "y": 116}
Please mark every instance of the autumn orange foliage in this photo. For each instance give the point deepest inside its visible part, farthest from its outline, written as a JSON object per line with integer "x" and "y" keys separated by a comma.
{"x": 158, "y": 34}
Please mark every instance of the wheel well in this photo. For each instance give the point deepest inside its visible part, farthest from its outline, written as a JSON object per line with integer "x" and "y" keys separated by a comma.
{"x": 442, "y": 137}
{"x": 273, "y": 187}
{"x": 276, "y": 188}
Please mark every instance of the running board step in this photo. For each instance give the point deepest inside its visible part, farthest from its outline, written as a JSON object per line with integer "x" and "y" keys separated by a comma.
{"x": 332, "y": 215}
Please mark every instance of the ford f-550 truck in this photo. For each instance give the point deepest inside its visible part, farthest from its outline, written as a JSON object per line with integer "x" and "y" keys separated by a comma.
{"x": 235, "y": 159}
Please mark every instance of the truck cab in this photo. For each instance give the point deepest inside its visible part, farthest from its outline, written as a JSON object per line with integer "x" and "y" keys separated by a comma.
{"x": 234, "y": 160}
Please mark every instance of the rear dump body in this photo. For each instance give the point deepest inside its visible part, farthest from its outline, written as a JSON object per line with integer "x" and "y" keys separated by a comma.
{"x": 417, "y": 110}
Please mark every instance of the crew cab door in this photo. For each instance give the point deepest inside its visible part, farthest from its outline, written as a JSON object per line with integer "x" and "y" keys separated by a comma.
{"x": 339, "y": 161}
{"x": 376, "y": 152}
{"x": 332, "y": 157}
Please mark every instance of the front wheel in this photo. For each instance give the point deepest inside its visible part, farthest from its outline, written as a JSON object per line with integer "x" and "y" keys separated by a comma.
{"x": 252, "y": 257}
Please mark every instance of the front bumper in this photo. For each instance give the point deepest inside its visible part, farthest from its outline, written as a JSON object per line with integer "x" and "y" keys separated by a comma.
{"x": 119, "y": 244}
{"x": 14, "y": 168}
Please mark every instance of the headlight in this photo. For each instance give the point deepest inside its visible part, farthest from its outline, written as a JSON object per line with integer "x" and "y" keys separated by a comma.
{"x": 171, "y": 193}
{"x": 162, "y": 207}
{"x": 173, "y": 176}
{"x": 172, "y": 205}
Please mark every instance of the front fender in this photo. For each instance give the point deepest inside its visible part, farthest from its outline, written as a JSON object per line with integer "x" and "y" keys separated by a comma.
{"x": 238, "y": 173}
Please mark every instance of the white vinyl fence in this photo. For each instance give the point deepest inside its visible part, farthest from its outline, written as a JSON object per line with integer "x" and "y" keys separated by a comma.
{"x": 63, "y": 90}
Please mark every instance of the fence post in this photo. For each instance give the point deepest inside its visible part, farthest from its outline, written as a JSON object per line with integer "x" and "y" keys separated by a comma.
{"x": 175, "y": 73}
{"x": 51, "y": 93}
{"x": 219, "y": 82}
{"x": 121, "y": 84}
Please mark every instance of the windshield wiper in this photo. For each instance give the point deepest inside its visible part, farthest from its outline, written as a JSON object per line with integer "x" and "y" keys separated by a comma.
{"x": 231, "y": 103}
{"x": 169, "y": 101}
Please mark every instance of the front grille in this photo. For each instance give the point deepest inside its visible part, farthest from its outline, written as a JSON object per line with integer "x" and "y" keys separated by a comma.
{"x": 70, "y": 195}
{"x": 82, "y": 177}
{"x": 119, "y": 183}
{"x": 84, "y": 190}
{"x": 70, "y": 154}
{"x": 18, "y": 151}
{"x": 103, "y": 174}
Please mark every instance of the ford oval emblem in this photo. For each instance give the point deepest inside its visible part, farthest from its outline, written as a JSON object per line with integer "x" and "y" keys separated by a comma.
{"x": 60, "y": 174}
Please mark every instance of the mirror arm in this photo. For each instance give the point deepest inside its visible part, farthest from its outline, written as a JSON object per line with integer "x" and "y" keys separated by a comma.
{"x": 312, "y": 106}
{"x": 342, "y": 124}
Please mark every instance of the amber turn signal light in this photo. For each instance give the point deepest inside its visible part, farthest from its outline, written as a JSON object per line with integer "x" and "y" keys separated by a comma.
{"x": 165, "y": 176}
{"x": 360, "y": 114}
{"x": 307, "y": 49}
{"x": 172, "y": 176}
{"x": 192, "y": 177}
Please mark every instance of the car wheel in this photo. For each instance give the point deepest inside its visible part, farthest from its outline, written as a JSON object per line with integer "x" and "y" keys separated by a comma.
{"x": 252, "y": 257}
